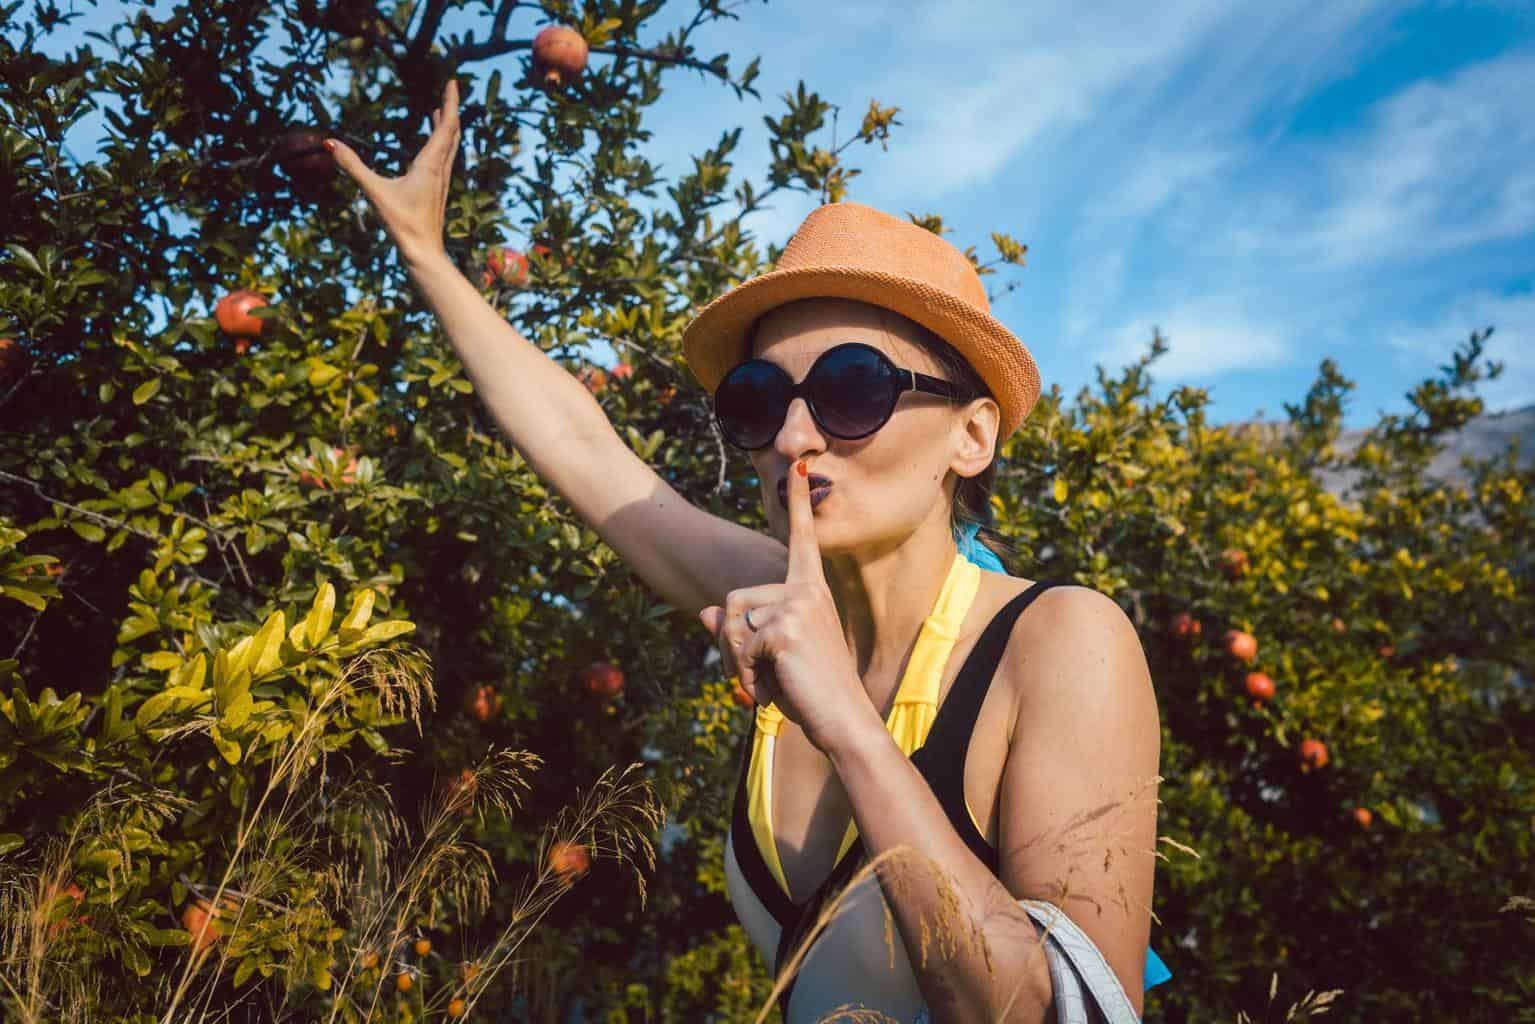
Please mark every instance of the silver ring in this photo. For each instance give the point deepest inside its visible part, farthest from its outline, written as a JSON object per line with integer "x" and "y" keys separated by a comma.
{"x": 749, "y": 621}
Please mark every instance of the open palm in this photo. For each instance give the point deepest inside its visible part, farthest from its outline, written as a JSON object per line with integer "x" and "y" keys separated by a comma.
{"x": 414, "y": 205}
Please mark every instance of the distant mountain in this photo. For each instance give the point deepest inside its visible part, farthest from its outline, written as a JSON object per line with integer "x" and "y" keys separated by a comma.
{"x": 1482, "y": 438}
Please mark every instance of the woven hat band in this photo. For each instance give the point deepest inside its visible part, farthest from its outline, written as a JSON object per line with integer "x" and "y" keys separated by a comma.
{"x": 835, "y": 235}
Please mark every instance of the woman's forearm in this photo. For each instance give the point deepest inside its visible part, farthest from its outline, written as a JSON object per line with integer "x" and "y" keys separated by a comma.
{"x": 960, "y": 978}
{"x": 540, "y": 406}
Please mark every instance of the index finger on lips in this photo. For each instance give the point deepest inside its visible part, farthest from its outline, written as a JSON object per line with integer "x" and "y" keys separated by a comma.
{"x": 804, "y": 549}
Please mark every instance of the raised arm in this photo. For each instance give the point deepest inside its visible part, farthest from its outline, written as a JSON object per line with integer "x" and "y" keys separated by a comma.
{"x": 689, "y": 557}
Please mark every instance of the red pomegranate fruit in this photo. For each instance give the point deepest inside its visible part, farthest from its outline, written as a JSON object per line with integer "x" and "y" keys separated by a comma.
{"x": 302, "y": 155}
{"x": 234, "y": 315}
{"x": 1240, "y": 645}
{"x": 1313, "y": 754}
{"x": 559, "y": 56}
{"x": 1259, "y": 687}
{"x": 603, "y": 679}
{"x": 506, "y": 265}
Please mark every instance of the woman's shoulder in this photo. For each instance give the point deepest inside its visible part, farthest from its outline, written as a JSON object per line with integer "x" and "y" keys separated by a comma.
{"x": 1064, "y": 629}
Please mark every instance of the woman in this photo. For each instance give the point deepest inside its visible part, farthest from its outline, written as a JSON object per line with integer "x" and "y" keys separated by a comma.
{"x": 907, "y": 705}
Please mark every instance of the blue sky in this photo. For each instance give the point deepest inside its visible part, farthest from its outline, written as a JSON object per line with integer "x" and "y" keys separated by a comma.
{"x": 1270, "y": 183}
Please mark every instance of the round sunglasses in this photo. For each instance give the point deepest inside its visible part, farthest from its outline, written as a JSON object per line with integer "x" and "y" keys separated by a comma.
{"x": 851, "y": 391}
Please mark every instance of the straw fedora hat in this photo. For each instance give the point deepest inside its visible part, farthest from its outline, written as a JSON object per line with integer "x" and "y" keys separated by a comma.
{"x": 848, "y": 250}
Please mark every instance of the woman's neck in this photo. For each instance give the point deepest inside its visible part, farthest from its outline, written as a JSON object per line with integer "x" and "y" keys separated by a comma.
{"x": 883, "y": 599}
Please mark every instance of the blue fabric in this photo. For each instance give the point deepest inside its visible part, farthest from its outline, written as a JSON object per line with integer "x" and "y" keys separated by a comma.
{"x": 977, "y": 552}
{"x": 972, "y": 549}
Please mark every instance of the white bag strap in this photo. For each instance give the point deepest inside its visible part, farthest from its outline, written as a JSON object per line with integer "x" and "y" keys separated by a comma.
{"x": 1085, "y": 988}
{"x": 1087, "y": 991}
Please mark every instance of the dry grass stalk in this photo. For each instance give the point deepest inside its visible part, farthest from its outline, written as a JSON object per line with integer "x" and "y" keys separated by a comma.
{"x": 355, "y": 866}
{"x": 1313, "y": 1004}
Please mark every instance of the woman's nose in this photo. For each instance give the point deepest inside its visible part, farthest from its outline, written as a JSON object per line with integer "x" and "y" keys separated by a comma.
{"x": 799, "y": 431}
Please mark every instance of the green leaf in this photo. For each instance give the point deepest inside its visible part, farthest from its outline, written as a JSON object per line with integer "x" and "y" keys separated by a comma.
{"x": 89, "y": 531}
{"x": 137, "y": 959}
{"x": 321, "y": 373}
{"x": 145, "y": 391}
{"x": 320, "y": 614}
{"x": 24, "y": 257}
{"x": 10, "y": 841}
{"x": 387, "y": 630}
{"x": 357, "y": 619}
{"x": 160, "y": 703}
{"x": 166, "y": 936}
{"x": 228, "y": 749}
{"x": 267, "y": 651}
{"x": 162, "y": 661}
{"x": 238, "y": 712}
{"x": 1062, "y": 490}
{"x": 29, "y": 598}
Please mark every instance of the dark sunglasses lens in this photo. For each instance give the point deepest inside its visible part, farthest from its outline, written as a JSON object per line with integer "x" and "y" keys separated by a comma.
{"x": 751, "y": 402}
{"x": 853, "y": 390}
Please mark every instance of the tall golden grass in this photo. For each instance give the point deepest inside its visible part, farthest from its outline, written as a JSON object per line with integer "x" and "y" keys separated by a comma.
{"x": 309, "y": 839}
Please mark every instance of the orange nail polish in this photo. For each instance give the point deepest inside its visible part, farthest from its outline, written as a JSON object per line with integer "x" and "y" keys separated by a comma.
{"x": 803, "y": 469}
{"x": 330, "y": 144}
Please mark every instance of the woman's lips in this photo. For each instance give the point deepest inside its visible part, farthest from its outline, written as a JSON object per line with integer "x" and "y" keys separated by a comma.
{"x": 820, "y": 487}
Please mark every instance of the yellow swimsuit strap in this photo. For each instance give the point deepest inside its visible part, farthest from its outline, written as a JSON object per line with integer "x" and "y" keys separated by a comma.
{"x": 911, "y": 717}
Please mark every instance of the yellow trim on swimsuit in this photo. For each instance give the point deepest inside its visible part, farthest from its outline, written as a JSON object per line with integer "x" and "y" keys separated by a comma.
{"x": 910, "y": 720}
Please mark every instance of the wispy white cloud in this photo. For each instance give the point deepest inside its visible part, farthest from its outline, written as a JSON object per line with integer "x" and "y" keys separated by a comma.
{"x": 1205, "y": 339}
{"x": 978, "y": 81}
{"x": 1425, "y": 347}
{"x": 1441, "y": 166}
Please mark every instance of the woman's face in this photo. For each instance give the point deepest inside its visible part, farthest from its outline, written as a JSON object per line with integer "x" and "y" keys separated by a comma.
{"x": 882, "y": 486}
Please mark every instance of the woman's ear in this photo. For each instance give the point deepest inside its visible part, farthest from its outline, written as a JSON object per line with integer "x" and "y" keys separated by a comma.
{"x": 979, "y": 422}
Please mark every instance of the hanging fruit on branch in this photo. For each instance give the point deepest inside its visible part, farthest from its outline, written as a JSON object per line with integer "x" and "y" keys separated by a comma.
{"x": 559, "y": 56}
{"x": 302, "y": 155}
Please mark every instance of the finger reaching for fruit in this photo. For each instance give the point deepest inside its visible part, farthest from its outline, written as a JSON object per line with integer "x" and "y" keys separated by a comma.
{"x": 412, "y": 207}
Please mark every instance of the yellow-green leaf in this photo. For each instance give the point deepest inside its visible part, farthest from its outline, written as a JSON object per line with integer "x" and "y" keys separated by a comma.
{"x": 321, "y": 613}
{"x": 238, "y": 712}
{"x": 160, "y": 703}
{"x": 321, "y": 373}
{"x": 1061, "y": 490}
{"x": 357, "y": 619}
{"x": 297, "y": 638}
{"x": 192, "y": 673}
{"x": 268, "y": 646}
{"x": 145, "y": 391}
{"x": 26, "y": 597}
{"x": 387, "y": 630}
{"x": 228, "y": 749}
{"x": 162, "y": 661}
{"x": 234, "y": 661}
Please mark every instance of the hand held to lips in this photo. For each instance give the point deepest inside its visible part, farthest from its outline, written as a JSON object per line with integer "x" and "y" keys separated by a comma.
{"x": 793, "y": 654}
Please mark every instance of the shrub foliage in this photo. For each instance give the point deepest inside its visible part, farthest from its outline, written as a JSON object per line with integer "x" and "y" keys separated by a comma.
{"x": 249, "y": 584}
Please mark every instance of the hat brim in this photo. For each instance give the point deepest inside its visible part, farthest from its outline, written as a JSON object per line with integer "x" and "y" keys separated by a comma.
{"x": 715, "y": 340}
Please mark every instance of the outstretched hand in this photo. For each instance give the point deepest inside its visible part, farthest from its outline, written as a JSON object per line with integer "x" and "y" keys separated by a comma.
{"x": 797, "y": 657}
{"x": 413, "y": 207}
